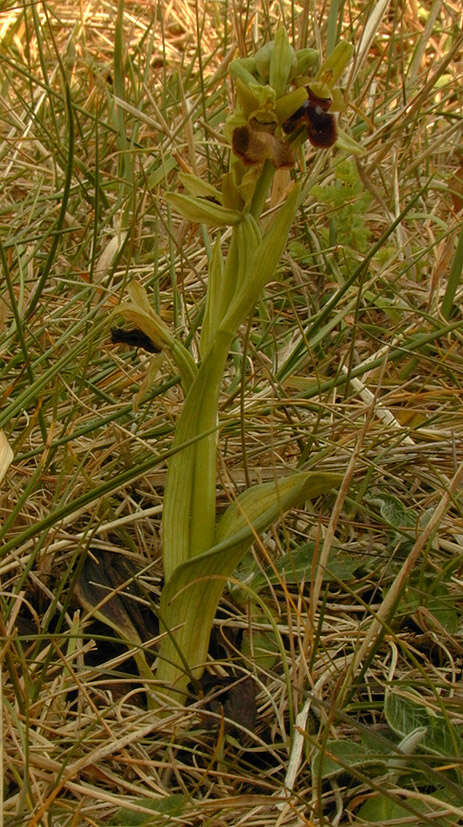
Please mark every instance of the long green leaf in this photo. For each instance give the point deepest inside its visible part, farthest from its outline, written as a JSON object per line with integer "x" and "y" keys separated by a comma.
{"x": 189, "y": 599}
{"x": 189, "y": 503}
{"x": 202, "y": 211}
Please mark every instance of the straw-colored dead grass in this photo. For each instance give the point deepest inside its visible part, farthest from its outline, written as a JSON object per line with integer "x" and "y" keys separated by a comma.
{"x": 374, "y": 390}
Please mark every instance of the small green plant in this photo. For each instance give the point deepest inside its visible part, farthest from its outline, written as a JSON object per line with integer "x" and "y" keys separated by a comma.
{"x": 199, "y": 552}
{"x": 419, "y": 728}
{"x": 348, "y": 203}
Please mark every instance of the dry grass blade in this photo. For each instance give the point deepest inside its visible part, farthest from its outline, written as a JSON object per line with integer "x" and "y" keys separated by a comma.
{"x": 6, "y": 455}
{"x": 345, "y": 617}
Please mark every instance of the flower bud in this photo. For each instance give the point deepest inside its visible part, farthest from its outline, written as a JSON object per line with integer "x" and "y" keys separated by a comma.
{"x": 282, "y": 63}
{"x": 333, "y": 67}
{"x": 262, "y": 58}
{"x": 307, "y": 62}
{"x": 243, "y": 68}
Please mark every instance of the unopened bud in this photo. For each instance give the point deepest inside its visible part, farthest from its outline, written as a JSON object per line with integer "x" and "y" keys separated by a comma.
{"x": 333, "y": 67}
{"x": 307, "y": 62}
{"x": 282, "y": 63}
{"x": 262, "y": 58}
{"x": 243, "y": 68}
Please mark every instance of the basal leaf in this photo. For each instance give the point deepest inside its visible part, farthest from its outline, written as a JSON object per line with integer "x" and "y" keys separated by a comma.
{"x": 189, "y": 599}
{"x": 339, "y": 755}
{"x": 404, "y": 715}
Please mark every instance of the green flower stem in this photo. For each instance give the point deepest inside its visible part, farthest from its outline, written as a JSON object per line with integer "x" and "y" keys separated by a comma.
{"x": 190, "y": 497}
{"x": 185, "y": 364}
{"x": 189, "y": 502}
{"x": 189, "y": 519}
{"x": 262, "y": 264}
{"x": 262, "y": 189}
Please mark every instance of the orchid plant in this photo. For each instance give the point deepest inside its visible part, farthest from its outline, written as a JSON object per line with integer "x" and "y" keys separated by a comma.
{"x": 282, "y": 96}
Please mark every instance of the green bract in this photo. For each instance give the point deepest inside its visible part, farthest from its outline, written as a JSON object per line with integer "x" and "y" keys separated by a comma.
{"x": 202, "y": 211}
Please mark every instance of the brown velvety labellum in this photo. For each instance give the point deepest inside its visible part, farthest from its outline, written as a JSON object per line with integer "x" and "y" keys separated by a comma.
{"x": 256, "y": 146}
{"x": 313, "y": 116}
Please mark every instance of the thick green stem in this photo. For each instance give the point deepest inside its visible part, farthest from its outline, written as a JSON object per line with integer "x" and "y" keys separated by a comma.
{"x": 262, "y": 189}
{"x": 189, "y": 502}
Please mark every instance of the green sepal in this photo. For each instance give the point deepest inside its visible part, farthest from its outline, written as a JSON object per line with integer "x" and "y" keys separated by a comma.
{"x": 348, "y": 144}
{"x": 289, "y": 104}
{"x": 234, "y": 121}
{"x": 246, "y": 99}
{"x": 332, "y": 68}
{"x": 338, "y": 103}
{"x": 255, "y": 101}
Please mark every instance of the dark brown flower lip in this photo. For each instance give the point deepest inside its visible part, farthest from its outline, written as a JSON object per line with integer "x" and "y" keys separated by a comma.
{"x": 313, "y": 116}
{"x": 253, "y": 146}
